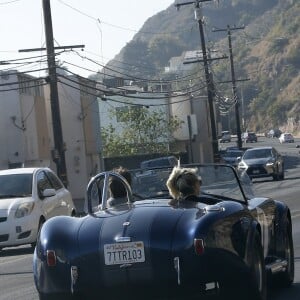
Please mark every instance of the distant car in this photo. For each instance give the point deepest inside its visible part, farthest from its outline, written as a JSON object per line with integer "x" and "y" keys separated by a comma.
{"x": 165, "y": 161}
{"x": 230, "y": 156}
{"x": 225, "y": 137}
{"x": 262, "y": 162}
{"x": 226, "y": 243}
{"x": 249, "y": 137}
{"x": 286, "y": 138}
{"x": 273, "y": 133}
{"x": 29, "y": 197}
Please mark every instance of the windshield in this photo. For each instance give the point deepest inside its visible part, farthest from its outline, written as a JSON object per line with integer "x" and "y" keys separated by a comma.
{"x": 257, "y": 153}
{"x": 216, "y": 179}
{"x": 233, "y": 154}
{"x": 15, "y": 185}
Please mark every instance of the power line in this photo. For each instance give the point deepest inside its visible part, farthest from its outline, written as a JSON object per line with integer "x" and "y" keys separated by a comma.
{"x": 107, "y": 98}
{"x": 19, "y": 88}
{"x": 124, "y": 89}
{"x": 98, "y": 20}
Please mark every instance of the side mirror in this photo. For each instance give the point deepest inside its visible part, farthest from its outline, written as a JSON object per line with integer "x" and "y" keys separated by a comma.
{"x": 48, "y": 193}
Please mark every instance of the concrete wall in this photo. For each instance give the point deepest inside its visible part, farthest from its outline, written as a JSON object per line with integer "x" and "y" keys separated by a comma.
{"x": 23, "y": 142}
{"x": 26, "y": 129}
{"x": 80, "y": 127}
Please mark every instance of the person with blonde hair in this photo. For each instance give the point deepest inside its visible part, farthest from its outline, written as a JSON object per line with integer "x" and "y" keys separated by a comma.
{"x": 184, "y": 184}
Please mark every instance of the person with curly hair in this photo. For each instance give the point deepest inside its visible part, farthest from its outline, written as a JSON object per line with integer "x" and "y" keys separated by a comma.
{"x": 184, "y": 184}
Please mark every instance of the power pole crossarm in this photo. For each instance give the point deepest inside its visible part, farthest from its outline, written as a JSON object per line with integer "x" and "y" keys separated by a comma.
{"x": 56, "y": 48}
{"x": 178, "y": 5}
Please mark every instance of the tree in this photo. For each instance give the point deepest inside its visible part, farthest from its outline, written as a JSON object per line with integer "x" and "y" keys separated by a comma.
{"x": 143, "y": 131}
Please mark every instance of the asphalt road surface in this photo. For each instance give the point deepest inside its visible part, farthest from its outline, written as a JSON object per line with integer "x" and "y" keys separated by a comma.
{"x": 16, "y": 278}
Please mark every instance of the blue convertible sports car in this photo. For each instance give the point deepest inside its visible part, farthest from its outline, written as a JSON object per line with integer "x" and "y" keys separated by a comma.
{"x": 230, "y": 243}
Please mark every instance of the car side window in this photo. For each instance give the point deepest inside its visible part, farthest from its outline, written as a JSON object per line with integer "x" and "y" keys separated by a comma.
{"x": 55, "y": 181}
{"x": 43, "y": 182}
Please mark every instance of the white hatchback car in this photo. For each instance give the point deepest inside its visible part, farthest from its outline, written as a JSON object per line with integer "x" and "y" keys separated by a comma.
{"x": 29, "y": 197}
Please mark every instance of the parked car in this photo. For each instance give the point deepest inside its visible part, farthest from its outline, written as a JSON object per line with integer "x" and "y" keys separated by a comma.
{"x": 249, "y": 137}
{"x": 29, "y": 197}
{"x": 286, "y": 138}
{"x": 225, "y": 137}
{"x": 148, "y": 246}
{"x": 262, "y": 162}
{"x": 231, "y": 156}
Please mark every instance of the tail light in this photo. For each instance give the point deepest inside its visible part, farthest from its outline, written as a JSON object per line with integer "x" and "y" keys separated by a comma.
{"x": 199, "y": 246}
{"x": 51, "y": 258}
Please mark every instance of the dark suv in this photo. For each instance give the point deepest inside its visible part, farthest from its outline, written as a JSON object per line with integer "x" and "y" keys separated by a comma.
{"x": 250, "y": 137}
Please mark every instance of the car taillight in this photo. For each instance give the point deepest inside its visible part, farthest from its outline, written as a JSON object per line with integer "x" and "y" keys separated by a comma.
{"x": 199, "y": 246}
{"x": 51, "y": 258}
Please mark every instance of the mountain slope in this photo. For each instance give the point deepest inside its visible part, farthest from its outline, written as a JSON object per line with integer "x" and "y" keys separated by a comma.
{"x": 266, "y": 52}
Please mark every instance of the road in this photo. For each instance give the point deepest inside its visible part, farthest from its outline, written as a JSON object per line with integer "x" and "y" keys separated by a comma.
{"x": 16, "y": 278}
{"x": 287, "y": 191}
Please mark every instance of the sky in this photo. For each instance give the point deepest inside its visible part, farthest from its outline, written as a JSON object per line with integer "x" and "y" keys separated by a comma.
{"x": 103, "y": 26}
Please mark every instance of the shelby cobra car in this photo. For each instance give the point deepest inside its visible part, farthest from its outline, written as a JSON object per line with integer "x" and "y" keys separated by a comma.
{"x": 228, "y": 243}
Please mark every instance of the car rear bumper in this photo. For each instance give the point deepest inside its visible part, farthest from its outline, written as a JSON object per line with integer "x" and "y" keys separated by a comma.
{"x": 153, "y": 281}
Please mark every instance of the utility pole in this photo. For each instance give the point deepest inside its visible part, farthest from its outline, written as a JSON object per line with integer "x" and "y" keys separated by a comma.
{"x": 208, "y": 78}
{"x": 58, "y": 153}
{"x": 234, "y": 91}
{"x": 59, "y": 147}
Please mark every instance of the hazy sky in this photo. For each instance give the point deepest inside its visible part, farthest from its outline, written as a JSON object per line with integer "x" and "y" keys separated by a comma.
{"x": 103, "y": 26}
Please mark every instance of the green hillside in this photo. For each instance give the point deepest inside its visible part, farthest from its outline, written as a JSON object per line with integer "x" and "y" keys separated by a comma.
{"x": 266, "y": 53}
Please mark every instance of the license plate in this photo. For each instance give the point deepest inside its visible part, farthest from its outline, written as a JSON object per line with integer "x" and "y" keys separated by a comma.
{"x": 122, "y": 253}
{"x": 255, "y": 171}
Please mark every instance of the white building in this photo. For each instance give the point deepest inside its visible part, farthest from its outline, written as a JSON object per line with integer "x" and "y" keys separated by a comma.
{"x": 195, "y": 131}
{"x": 27, "y": 130}
{"x": 197, "y": 139}
{"x": 24, "y": 140}
{"x": 80, "y": 129}
{"x": 135, "y": 97}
